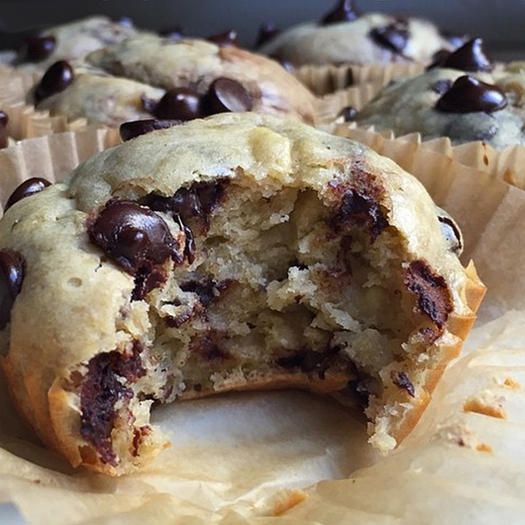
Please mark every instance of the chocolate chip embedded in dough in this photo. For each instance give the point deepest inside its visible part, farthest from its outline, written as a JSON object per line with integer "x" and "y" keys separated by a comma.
{"x": 37, "y": 48}
{"x": 135, "y": 128}
{"x": 225, "y": 95}
{"x": 393, "y": 37}
{"x": 348, "y": 113}
{"x": 179, "y": 104}
{"x": 57, "y": 78}
{"x": 12, "y": 269}
{"x": 344, "y": 11}
{"x": 26, "y": 189}
{"x": 469, "y": 57}
{"x": 228, "y": 38}
{"x": 469, "y": 95}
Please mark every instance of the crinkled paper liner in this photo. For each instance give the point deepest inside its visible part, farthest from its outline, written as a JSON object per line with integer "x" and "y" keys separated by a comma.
{"x": 24, "y": 120}
{"x": 323, "y": 80}
{"x": 261, "y": 457}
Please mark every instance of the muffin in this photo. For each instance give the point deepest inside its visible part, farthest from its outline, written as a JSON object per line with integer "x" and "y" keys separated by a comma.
{"x": 239, "y": 252}
{"x": 343, "y": 36}
{"x": 459, "y": 98}
{"x": 183, "y": 79}
{"x": 72, "y": 41}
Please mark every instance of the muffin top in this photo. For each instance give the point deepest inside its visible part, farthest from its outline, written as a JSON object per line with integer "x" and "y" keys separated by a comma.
{"x": 345, "y": 36}
{"x": 72, "y": 41}
{"x": 152, "y": 76}
{"x": 462, "y": 98}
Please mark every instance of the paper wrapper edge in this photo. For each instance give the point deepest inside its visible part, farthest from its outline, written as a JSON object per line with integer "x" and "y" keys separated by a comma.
{"x": 248, "y": 458}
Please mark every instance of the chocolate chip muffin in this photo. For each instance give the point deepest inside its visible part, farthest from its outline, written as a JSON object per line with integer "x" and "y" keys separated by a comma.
{"x": 343, "y": 36}
{"x": 239, "y": 252}
{"x": 459, "y": 99}
{"x": 182, "y": 80}
{"x": 72, "y": 41}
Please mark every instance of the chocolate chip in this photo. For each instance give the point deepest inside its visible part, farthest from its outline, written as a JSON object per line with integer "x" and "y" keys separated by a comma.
{"x": 453, "y": 39}
{"x": 438, "y": 58}
{"x": 225, "y": 95}
{"x": 393, "y": 37}
{"x": 124, "y": 21}
{"x": 179, "y": 104}
{"x": 12, "y": 268}
{"x": 344, "y": 11}
{"x": 135, "y": 128}
{"x": 267, "y": 32}
{"x": 4, "y": 120}
{"x": 136, "y": 239}
{"x": 441, "y": 86}
{"x": 469, "y": 57}
{"x": 37, "y": 48}
{"x": 433, "y": 295}
{"x": 348, "y": 113}
{"x": 173, "y": 33}
{"x": 401, "y": 380}
{"x": 452, "y": 234}
{"x": 228, "y": 38}
{"x": 469, "y": 95}
{"x": 26, "y": 189}
{"x": 309, "y": 361}
{"x": 57, "y": 78}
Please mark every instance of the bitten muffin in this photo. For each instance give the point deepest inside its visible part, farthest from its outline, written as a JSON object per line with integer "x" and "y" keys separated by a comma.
{"x": 459, "y": 98}
{"x": 239, "y": 252}
{"x": 72, "y": 41}
{"x": 182, "y": 80}
{"x": 343, "y": 36}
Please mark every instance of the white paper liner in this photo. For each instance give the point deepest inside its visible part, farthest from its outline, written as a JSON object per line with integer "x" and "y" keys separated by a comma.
{"x": 246, "y": 458}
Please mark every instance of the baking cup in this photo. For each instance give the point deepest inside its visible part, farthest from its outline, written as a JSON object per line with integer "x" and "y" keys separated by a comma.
{"x": 294, "y": 458}
{"x": 323, "y": 80}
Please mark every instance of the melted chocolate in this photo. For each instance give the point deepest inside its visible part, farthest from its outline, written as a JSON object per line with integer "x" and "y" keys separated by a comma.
{"x": 135, "y": 128}
{"x": 469, "y": 95}
{"x": 26, "y": 189}
{"x": 344, "y": 11}
{"x": 433, "y": 295}
{"x": 57, "y": 78}
{"x": 12, "y": 269}
{"x": 136, "y": 239}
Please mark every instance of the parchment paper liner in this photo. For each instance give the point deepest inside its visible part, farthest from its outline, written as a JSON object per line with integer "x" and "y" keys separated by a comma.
{"x": 246, "y": 458}
{"x": 25, "y": 121}
{"x": 323, "y": 80}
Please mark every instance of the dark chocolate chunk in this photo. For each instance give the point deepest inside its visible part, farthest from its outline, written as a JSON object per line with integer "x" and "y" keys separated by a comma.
{"x": 438, "y": 58}
{"x": 12, "y": 269}
{"x": 37, "y": 48}
{"x": 4, "y": 119}
{"x": 344, "y": 11}
{"x": 469, "y": 95}
{"x": 401, "y": 380}
{"x": 393, "y": 37}
{"x": 226, "y": 95}
{"x": 348, "y": 113}
{"x": 309, "y": 361}
{"x": 441, "y": 86}
{"x": 57, "y": 78}
{"x": 433, "y": 295}
{"x": 267, "y": 32}
{"x": 189, "y": 244}
{"x": 179, "y": 104}
{"x": 173, "y": 33}
{"x": 452, "y": 234}
{"x": 26, "y": 189}
{"x": 228, "y": 38}
{"x": 362, "y": 210}
{"x": 101, "y": 389}
{"x": 206, "y": 288}
{"x": 134, "y": 128}
{"x": 136, "y": 239}
{"x": 469, "y": 57}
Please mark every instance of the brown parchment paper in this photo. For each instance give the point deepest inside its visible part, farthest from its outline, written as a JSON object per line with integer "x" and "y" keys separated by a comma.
{"x": 294, "y": 458}
{"x": 323, "y": 80}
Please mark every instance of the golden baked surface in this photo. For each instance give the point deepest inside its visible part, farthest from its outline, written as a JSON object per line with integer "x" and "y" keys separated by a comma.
{"x": 128, "y": 79}
{"x": 242, "y": 251}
